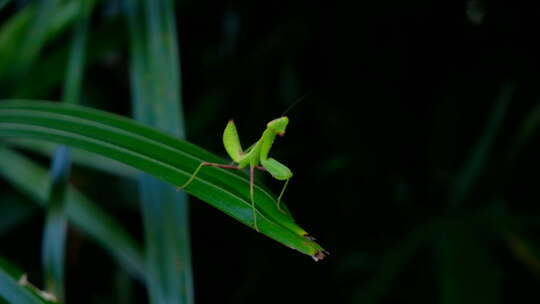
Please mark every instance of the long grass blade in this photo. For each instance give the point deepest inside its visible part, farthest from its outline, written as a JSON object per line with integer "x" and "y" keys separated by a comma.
{"x": 468, "y": 273}
{"x": 37, "y": 33}
{"x": 156, "y": 102}
{"x": 74, "y": 73}
{"x": 516, "y": 233}
{"x": 54, "y": 234}
{"x": 19, "y": 46}
{"x": 526, "y": 130}
{"x": 392, "y": 263}
{"x": 19, "y": 212}
{"x": 3, "y": 3}
{"x": 56, "y": 221}
{"x": 479, "y": 154}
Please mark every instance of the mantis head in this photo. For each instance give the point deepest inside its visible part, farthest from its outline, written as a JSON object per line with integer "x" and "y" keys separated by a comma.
{"x": 279, "y": 125}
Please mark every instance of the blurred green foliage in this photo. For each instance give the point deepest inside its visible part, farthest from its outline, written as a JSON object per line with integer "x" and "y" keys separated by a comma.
{"x": 414, "y": 154}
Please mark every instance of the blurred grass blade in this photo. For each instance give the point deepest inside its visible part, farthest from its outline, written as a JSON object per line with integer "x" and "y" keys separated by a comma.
{"x": 13, "y": 290}
{"x": 36, "y": 36}
{"x": 170, "y": 159}
{"x": 124, "y": 288}
{"x": 3, "y": 3}
{"x": 54, "y": 234}
{"x": 74, "y": 73}
{"x": 34, "y": 181}
{"x": 11, "y": 37}
{"x": 19, "y": 47}
{"x": 18, "y": 210}
{"x": 156, "y": 102}
{"x": 525, "y": 131}
{"x": 47, "y": 76}
{"x": 56, "y": 221}
{"x": 480, "y": 152}
{"x": 392, "y": 264}
{"x": 468, "y": 274}
{"x": 524, "y": 250}
{"x": 515, "y": 232}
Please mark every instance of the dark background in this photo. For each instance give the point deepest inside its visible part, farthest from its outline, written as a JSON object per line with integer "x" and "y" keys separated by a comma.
{"x": 412, "y": 162}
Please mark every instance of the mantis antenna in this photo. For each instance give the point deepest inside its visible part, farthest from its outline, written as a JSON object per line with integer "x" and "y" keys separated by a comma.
{"x": 301, "y": 98}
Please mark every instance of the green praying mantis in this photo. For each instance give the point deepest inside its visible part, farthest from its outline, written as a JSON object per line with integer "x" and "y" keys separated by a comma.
{"x": 256, "y": 157}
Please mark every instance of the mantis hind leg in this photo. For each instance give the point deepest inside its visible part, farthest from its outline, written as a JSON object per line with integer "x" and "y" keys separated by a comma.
{"x": 281, "y": 194}
{"x": 251, "y": 182}
{"x": 199, "y": 168}
{"x": 278, "y": 171}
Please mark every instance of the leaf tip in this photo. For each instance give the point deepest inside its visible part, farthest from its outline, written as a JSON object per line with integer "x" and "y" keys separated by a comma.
{"x": 319, "y": 255}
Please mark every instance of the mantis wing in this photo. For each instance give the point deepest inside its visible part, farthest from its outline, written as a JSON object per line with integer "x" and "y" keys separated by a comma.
{"x": 276, "y": 169}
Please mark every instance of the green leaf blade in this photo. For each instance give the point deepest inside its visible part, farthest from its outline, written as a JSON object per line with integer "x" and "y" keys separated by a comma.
{"x": 156, "y": 153}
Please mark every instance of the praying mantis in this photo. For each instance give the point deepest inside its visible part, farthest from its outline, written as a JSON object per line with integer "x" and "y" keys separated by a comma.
{"x": 256, "y": 157}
